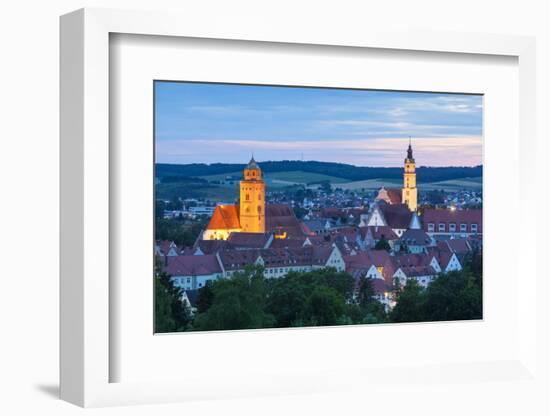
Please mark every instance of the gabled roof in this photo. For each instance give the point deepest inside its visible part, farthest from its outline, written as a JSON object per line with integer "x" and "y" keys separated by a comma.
{"x": 397, "y": 216}
{"x": 389, "y": 195}
{"x": 378, "y": 258}
{"x": 380, "y": 286}
{"x": 238, "y": 259}
{"x": 443, "y": 256}
{"x": 395, "y": 195}
{"x": 409, "y": 260}
{"x": 296, "y": 242}
{"x": 250, "y": 240}
{"x": 281, "y": 218}
{"x": 210, "y": 246}
{"x": 414, "y": 271}
{"x": 377, "y": 232}
{"x": 192, "y": 265}
{"x": 458, "y": 245}
{"x": 415, "y": 238}
{"x": 276, "y": 257}
{"x": 458, "y": 216}
{"x": 225, "y": 217}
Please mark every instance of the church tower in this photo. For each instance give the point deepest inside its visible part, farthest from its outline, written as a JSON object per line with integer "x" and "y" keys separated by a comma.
{"x": 409, "y": 194}
{"x": 252, "y": 202}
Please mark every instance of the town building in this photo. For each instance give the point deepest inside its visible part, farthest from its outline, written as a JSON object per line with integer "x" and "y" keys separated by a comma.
{"x": 252, "y": 214}
{"x": 410, "y": 193}
{"x": 452, "y": 223}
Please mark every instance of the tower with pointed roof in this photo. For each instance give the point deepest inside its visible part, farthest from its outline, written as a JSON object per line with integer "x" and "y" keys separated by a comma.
{"x": 410, "y": 193}
{"x": 252, "y": 199}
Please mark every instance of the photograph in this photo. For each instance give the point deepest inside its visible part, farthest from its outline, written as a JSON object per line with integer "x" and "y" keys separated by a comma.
{"x": 295, "y": 206}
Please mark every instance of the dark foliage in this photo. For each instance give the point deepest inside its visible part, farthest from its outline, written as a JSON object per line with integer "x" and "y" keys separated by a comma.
{"x": 340, "y": 170}
{"x": 178, "y": 230}
{"x": 171, "y": 314}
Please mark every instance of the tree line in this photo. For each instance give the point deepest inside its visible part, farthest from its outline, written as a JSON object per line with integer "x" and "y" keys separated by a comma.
{"x": 340, "y": 170}
{"x": 318, "y": 298}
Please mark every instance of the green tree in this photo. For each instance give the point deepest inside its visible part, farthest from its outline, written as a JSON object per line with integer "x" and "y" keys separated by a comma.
{"x": 286, "y": 299}
{"x": 410, "y": 305}
{"x": 382, "y": 244}
{"x": 237, "y": 303}
{"x": 205, "y": 298}
{"x": 171, "y": 313}
{"x": 323, "y": 307}
{"x": 372, "y": 310}
{"x": 453, "y": 296}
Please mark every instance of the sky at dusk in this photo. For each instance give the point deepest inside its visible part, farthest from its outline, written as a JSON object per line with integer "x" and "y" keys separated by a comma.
{"x": 210, "y": 123}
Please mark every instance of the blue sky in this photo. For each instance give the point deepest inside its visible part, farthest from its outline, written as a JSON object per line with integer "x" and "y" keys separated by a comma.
{"x": 208, "y": 123}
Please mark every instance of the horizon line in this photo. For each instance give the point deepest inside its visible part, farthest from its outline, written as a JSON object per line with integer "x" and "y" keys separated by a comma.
{"x": 318, "y": 161}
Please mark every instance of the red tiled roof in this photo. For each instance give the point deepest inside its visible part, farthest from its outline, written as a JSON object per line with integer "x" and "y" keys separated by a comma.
{"x": 225, "y": 217}
{"x": 459, "y": 216}
{"x": 276, "y": 257}
{"x": 210, "y": 246}
{"x": 249, "y": 240}
{"x": 281, "y": 218}
{"x": 416, "y": 238}
{"x": 443, "y": 256}
{"x": 380, "y": 286}
{"x": 457, "y": 245}
{"x": 192, "y": 265}
{"x": 397, "y": 216}
{"x": 413, "y": 271}
{"x": 288, "y": 242}
{"x": 379, "y": 231}
{"x": 409, "y": 260}
{"x": 365, "y": 259}
{"x": 395, "y": 195}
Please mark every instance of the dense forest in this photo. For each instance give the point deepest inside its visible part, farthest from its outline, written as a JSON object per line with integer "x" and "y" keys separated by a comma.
{"x": 322, "y": 297}
{"x": 169, "y": 172}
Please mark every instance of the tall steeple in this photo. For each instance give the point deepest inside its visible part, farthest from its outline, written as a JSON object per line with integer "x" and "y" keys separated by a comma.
{"x": 409, "y": 194}
{"x": 252, "y": 199}
{"x": 410, "y": 151}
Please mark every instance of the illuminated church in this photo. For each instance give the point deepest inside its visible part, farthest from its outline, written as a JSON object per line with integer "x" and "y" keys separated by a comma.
{"x": 407, "y": 195}
{"x": 252, "y": 214}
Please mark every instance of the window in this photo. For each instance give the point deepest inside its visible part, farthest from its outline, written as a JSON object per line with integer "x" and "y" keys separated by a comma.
{"x": 247, "y": 197}
{"x": 474, "y": 228}
{"x": 452, "y": 227}
{"x": 441, "y": 226}
{"x": 463, "y": 227}
{"x": 431, "y": 226}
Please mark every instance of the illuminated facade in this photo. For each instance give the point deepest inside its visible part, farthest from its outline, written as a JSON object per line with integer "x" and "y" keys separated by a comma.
{"x": 252, "y": 200}
{"x": 410, "y": 193}
{"x": 248, "y": 216}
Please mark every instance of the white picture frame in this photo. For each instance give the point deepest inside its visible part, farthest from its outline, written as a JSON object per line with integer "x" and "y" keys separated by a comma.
{"x": 86, "y": 355}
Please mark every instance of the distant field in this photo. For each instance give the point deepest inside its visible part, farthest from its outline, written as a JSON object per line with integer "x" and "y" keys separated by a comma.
{"x": 222, "y": 176}
{"x": 371, "y": 184}
{"x": 193, "y": 188}
{"x": 216, "y": 193}
{"x": 286, "y": 178}
{"x": 300, "y": 177}
{"x": 474, "y": 184}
